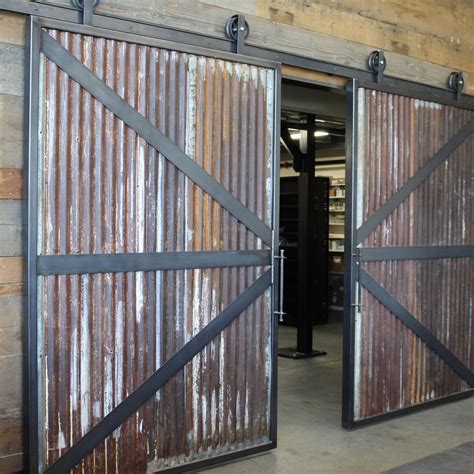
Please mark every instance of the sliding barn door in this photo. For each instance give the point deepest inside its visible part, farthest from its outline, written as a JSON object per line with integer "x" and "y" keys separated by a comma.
{"x": 409, "y": 317}
{"x": 151, "y": 219}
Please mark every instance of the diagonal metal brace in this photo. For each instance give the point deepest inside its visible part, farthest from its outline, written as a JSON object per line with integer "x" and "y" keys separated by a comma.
{"x": 143, "y": 127}
{"x": 391, "y": 204}
{"x": 414, "y": 325}
{"x": 164, "y": 374}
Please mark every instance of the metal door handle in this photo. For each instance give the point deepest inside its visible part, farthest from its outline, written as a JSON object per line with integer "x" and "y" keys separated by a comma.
{"x": 281, "y": 257}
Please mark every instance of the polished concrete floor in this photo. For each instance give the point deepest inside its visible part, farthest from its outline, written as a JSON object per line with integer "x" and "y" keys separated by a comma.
{"x": 310, "y": 437}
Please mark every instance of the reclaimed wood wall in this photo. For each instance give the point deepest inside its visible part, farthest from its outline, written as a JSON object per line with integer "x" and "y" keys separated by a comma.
{"x": 428, "y": 30}
{"x": 12, "y": 40}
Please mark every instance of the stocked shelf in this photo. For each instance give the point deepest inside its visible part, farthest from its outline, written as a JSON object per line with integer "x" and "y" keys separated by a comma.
{"x": 289, "y": 223}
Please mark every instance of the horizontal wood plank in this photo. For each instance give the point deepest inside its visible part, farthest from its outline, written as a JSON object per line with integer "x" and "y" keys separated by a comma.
{"x": 10, "y": 212}
{"x": 12, "y": 68}
{"x": 11, "y": 183}
{"x": 11, "y": 415}
{"x": 11, "y": 341}
{"x": 11, "y": 240}
{"x": 11, "y": 131}
{"x": 12, "y": 28}
{"x": 11, "y": 289}
{"x": 437, "y": 33}
{"x": 11, "y": 311}
{"x": 11, "y": 153}
{"x": 11, "y": 440}
{"x": 11, "y": 270}
{"x": 11, "y": 369}
{"x": 316, "y": 77}
{"x": 10, "y": 464}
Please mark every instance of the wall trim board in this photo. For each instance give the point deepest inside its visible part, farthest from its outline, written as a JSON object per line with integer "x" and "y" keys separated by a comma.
{"x": 312, "y": 77}
{"x": 209, "y": 21}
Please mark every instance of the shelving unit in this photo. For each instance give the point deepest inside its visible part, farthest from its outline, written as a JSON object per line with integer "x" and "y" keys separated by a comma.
{"x": 289, "y": 242}
{"x": 336, "y": 243}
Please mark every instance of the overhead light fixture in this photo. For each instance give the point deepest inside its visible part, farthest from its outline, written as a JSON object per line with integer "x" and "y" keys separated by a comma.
{"x": 317, "y": 133}
{"x": 321, "y": 120}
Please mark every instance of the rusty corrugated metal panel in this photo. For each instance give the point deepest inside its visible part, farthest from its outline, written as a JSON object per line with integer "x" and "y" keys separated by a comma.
{"x": 397, "y": 136}
{"x": 104, "y": 190}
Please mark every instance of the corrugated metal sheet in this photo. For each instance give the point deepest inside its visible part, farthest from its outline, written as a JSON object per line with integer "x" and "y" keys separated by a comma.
{"x": 396, "y": 136}
{"x": 104, "y": 190}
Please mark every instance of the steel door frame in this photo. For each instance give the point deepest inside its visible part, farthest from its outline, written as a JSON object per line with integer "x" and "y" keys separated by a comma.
{"x": 37, "y": 265}
{"x": 357, "y": 277}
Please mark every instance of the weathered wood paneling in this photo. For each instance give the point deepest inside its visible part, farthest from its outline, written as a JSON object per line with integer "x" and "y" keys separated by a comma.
{"x": 12, "y": 463}
{"x": 11, "y": 415}
{"x": 10, "y": 228}
{"x": 298, "y": 73}
{"x": 279, "y": 34}
{"x": 11, "y": 289}
{"x": 11, "y": 183}
{"x": 12, "y": 61}
{"x": 11, "y": 368}
{"x": 11, "y": 131}
{"x": 439, "y": 32}
{"x": 11, "y": 440}
{"x": 10, "y": 311}
{"x": 11, "y": 446}
{"x": 12, "y": 28}
{"x": 11, "y": 270}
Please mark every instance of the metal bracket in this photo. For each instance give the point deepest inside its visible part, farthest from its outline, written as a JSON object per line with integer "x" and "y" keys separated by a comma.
{"x": 87, "y": 7}
{"x": 237, "y": 29}
{"x": 456, "y": 83}
{"x": 377, "y": 64}
{"x": 357, "y": 254}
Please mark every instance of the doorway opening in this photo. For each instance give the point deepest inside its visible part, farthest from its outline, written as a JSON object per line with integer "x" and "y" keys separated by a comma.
{"x": 312, "y": 234}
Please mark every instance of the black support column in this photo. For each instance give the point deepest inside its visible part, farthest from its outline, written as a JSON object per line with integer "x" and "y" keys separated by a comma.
{"x": 306, "y": 247}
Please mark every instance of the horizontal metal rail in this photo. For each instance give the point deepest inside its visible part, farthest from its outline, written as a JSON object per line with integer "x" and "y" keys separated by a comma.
{"x": 164, "y": 374}
{"x": 377, "y": 254}
{"x": 144, "y": 262}
{"x": 414, "y": 325}
{"x": 391, "y": 204}
{"x": 210, "y": 45}
{"x": 143, "y": 127}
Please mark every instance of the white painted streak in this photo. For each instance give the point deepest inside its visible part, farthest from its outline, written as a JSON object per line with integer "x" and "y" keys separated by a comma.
{"x": 359, "y": 204}
{"x": 119, "y": 348}
{"x": 270, "y": 122}
{"x": 357, "y": 363}
{"x": 85, "y": 356}
{"x": 74, "y": 375}
{"x": 190, "y": 308}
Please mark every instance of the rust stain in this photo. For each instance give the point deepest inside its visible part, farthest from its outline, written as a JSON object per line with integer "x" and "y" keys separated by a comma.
{"x": 104, "y": 190}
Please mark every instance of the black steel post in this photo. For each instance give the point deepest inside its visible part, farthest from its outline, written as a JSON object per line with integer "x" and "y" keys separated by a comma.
{"x": 304, "y": 343}
{"x": 306, "y": 247}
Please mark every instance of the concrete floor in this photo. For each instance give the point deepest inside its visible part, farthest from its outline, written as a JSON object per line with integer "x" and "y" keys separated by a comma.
{"x": 310, "y": 437}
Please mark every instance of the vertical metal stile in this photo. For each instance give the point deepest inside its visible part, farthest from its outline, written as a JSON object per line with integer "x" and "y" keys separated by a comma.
{"x": 275, "y": 251}
{"x": 349, "y": 256}
{"x": 32, "y": 388}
